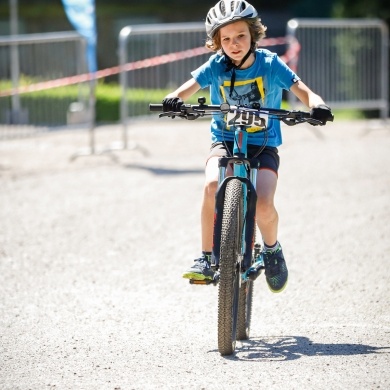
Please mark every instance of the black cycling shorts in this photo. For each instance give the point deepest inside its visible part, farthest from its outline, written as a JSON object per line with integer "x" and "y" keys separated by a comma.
{"x": 268, "y": 158}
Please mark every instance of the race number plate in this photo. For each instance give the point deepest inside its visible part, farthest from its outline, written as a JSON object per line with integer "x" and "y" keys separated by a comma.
{"x": 252, "y": 122}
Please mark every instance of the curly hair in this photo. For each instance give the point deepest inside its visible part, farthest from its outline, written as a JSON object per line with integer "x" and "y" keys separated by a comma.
{"x": 256, "y": 28}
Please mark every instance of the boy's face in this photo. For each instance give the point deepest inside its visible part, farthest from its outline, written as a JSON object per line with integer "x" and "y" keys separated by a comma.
{"x": 236, "y": 40}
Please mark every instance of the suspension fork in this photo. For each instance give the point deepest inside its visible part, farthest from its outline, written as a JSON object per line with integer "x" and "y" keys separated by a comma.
{"x": 241, "y": 165}
{"x": 250, "y": 197}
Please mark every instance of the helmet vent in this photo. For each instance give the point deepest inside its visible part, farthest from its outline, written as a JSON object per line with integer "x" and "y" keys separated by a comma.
{"x": 222, "y": 7}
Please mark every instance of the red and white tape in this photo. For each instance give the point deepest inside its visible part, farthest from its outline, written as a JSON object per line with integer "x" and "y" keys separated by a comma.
{"x": 290, "y": 57}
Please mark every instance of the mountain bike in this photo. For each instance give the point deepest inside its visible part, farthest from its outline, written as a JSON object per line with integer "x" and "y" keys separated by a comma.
{"x": 236, "y": 256}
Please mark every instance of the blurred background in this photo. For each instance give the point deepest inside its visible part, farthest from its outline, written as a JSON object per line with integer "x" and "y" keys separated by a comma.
{"x": 37, "y": 16}
{"x": 347, "y": 65}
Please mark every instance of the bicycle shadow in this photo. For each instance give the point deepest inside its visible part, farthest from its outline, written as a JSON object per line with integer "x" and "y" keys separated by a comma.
{"x": 165, "y": 171}
{"x": 294, "y": 347}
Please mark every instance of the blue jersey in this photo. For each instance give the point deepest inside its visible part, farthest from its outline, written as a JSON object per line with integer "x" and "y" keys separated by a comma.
{"x": 263, "y": 82}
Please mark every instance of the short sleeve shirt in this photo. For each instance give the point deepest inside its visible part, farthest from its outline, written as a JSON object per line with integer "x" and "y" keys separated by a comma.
{"x": 263, "y": 82}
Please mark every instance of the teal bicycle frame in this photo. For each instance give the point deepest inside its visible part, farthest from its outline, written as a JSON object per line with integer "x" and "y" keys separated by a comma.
{"x": 245, "y": 170}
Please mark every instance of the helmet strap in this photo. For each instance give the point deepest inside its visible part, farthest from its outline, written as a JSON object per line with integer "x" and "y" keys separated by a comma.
{"x": 232, "y": 67}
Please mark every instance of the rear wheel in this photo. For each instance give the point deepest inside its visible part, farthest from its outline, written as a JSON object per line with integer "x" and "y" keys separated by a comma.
{"x": 245, "y": 303}
{"x": 229, "y": 282}
{"x": 245, "y": 311}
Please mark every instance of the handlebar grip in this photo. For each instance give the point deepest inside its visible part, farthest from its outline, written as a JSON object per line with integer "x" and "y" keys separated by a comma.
{"x": 156, "y": 107}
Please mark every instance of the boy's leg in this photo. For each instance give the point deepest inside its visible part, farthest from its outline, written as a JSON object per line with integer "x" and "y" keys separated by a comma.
{"x": 208, "y": 203}
{"x": 267, "y": 216}
{"x": 201, "y": 268}
{"x": 276, "y": 272}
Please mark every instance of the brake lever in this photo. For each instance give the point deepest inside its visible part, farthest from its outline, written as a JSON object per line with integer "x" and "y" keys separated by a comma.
{"x": 191, "y": 117}
{"x": 173, "y": 115}
{"x": 315, "y": 122}
{"x": 169, "y": 114}
{"x": 295, "y": 121}
{"x": 290, "y": 121}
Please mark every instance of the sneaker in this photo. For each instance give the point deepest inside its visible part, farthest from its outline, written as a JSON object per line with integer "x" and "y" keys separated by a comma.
{"x": 201, "y": 270}
{"x": 276, "y": 272}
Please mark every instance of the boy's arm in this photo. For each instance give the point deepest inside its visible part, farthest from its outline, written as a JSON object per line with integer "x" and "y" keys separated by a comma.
{"x": 306, "y": 95}
{"x": 318, "y": 109}
{"x": 186, "y": 90}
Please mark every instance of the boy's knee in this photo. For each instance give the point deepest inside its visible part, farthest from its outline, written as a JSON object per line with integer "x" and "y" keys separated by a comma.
{"x": 265, "y": 208}
{"x": 210, "y": 188}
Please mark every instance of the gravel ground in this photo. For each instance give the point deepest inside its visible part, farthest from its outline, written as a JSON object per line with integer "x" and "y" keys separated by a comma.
{"x": 92, "y": 250}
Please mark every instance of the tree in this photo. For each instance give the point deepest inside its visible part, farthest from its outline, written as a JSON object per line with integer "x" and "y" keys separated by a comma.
{"x": 362, "y": 9}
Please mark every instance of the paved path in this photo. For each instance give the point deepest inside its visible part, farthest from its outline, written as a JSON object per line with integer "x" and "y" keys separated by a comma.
{"x": 92, "y": 250}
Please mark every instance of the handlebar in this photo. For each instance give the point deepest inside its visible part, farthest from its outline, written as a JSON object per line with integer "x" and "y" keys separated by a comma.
{"x": 156, "y": 107}
{"x": 195, "y": 108}
{"x": 195, "y": 111}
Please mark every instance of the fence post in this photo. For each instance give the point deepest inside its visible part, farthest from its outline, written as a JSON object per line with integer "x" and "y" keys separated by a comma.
{"x": 123, "y": 36}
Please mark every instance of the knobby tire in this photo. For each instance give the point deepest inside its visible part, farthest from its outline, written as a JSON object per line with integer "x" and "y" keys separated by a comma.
{"x": 229, "y": 282}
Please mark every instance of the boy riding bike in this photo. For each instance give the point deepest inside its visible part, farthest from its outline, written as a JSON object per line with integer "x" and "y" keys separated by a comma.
{"x": 241, "y": 74}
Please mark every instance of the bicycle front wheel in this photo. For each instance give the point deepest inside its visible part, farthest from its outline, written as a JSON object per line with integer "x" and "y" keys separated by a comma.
{"x": 229, "y": 282}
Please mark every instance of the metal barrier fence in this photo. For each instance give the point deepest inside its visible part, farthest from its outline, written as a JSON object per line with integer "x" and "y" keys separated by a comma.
{"x": 345, "y": 61}
{"x": 30, "y": 59}
{"x": 145, "y": 85}
{"x": 142, "y": 86}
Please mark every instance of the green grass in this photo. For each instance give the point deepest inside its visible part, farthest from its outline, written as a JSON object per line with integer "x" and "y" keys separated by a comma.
{"x": 56, "y": 102}
{"x": 347, "y": 115}
{"x": 340, "y": 115}
{"x": 108, "y": 98}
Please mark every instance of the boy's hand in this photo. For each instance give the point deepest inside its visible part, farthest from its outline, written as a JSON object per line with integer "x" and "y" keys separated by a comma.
{"x": 321, "y": 113}
{"x": 172, "y": 104}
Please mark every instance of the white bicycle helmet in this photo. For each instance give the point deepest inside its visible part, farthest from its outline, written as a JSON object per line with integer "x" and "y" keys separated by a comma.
{"x": 228, "y": 11}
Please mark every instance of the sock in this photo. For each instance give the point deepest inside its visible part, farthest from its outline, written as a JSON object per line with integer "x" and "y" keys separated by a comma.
{"x": 207, "y": 255}
{"x": 271, "y": 248}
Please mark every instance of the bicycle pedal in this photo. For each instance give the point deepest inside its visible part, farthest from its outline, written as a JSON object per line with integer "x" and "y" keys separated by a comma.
{"x": 253, "y": 272}
{"x": 201, "y": 282}
{"x": 206, "y": 282}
